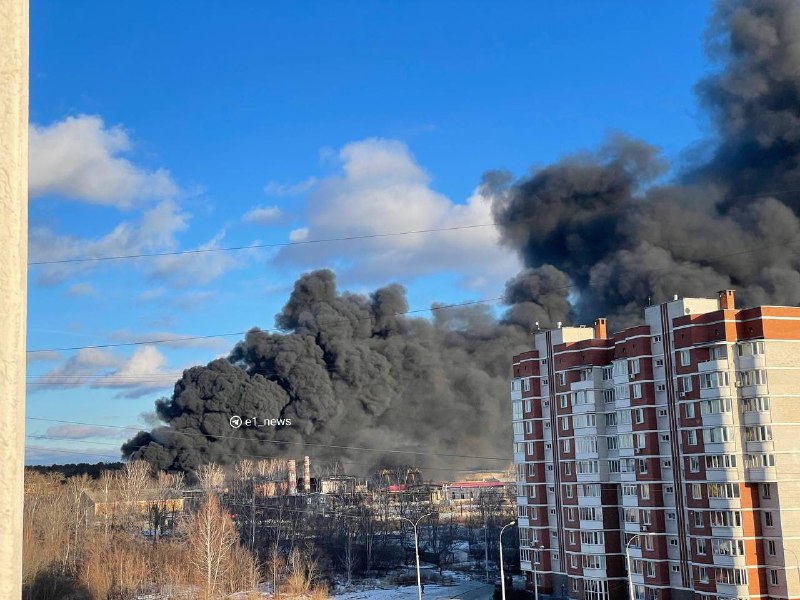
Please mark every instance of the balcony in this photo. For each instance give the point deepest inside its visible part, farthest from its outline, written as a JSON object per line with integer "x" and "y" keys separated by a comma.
{"x": 761, "y": 417}
{"x": 761, "y": 474}
{"x": 752, "y": 362}
{"x": 724, "y": 503}
{"x": 727, "y": 560}
{"x": 733, "y": 591}
{"x": 593, "y": 525}
{"x": 713, "y": 365}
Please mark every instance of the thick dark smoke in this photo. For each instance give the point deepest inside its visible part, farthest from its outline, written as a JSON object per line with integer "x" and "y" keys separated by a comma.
{"x": 350, "y": 371}
{"x": 600, "y": 235}
{"x": 729, "y": 222}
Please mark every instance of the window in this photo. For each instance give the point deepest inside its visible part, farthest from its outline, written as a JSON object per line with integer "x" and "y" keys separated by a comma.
{"x": 718, "y": 435}
{"x": 564, "y": 423}
{"x": 651, "y": 568}
{"x": 645, "y": 517}
{"x": 648, "y": 542}
{"x": 757, "y": 404}
{"x": 766, "y": 491}
{"x": 771, "y": 549}
{"x": 698, "y": 519}
{"x": 694, "y": 464}
{"x": 562, "y": 378}
{"x": 659, "y": 362}
{"x": 697, "y": 491}
{"x": 572, "y": 537}
{"x": 715, "y": 406}
{"x": 662, "y": 412}
{"x": 570, "y": 514}
{"x": 567, "y": 468}
{"x": 691, "y": 437}
{"x": 573, "y": 560}
{"x": 568, "y": 489}
{"x": 526, "y": 384}
{"x": 661, "y": 387}
{"x": 714, "y": 379}
{"x": 566, "y": 444}
{"x": 637, "y": 390}
{"x": 673, "y": 541}
{"x": 644, "y": 490}
{"x": 689, "y": 410}
{"x": 769, "y": 520}
{"x": 686, "y": 383}
{"x": 666, "y": 463}
{"x": 656, "y": 339}
{"x": 639, "y": 413}
{"x": 718, "y": 353}
{"x": 633, "y": 366}
{"x": 758, "y": 434}
{"x": 702, "y": 573}
{"x": 773, "y": 577}
{"x": 574, "y": 585}
{"x": 675, "y": 568}
{"x": 671, "y": 516}
{"x": 642, "y": 465}
{"x": 685, "y": 357}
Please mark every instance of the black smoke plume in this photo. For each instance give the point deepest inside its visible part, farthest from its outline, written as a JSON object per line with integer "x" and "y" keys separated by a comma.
{"x": 600, "y": 234}
{"x": 730, "y": 220}
{"x": 350, "y": 371}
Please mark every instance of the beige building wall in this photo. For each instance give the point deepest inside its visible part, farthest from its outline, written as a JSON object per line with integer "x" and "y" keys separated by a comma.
{"x": 782, "y": 362}
{"x": 13, "y": 276}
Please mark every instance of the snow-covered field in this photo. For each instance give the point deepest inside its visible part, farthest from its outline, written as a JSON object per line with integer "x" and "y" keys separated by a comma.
{"x": 465, "y": 590}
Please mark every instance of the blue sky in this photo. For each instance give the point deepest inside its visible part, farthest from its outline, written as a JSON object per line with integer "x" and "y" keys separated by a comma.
{"x": 160, "y": 127}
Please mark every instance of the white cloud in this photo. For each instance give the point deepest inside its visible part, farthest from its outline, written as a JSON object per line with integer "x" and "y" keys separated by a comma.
{"x": 298, "y": 235}
{"x": 43, "y": 356}
{"x": 281, "y": 190}
{"x": 81, "y": 289}
{"x": 155, "y": 231}
{"x": 262, "y": 215}
{"x": 76, "y": 371}
{"x": 382, "y": 189}
{"x": 80, "y": 158}
{"x": 142, "y": 373}
{"x": 82, "y": 432}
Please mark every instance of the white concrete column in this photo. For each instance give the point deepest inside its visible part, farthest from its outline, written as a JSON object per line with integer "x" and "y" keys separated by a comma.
{"x": 13, "y": 285}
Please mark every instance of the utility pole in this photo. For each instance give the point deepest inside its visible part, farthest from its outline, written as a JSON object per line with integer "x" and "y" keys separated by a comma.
{"x": 13, "y": 285}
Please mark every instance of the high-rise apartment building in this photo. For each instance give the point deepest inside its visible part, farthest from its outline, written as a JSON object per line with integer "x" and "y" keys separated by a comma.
{"x": 678, "y": 439}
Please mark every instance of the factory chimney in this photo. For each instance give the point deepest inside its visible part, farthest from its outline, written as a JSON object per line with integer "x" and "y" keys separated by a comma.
{"x": 292, "y": 478}
{"x": 307, "y": 475}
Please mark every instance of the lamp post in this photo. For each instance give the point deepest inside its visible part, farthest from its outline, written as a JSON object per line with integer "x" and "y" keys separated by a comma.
{"x": 796, "y": 562}
{"x": 535, "y": 576}
{"x": 502, "y": 571}
{"x": 628, "y": 561}
{"x": 416, "y": 550}
{"x": 486, "y": 548}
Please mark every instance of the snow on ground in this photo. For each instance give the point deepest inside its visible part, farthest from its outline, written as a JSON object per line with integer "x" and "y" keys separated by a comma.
{"x": 464, "y": 589}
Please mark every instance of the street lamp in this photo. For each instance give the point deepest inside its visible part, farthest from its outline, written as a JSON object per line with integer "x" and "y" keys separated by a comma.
{"x": 535, "y": 576}
{"x": 502, "y": 572}
{"x": 416, "y": 550}
{"x": 796, "y": 562}
{"x": 628, "y": 561}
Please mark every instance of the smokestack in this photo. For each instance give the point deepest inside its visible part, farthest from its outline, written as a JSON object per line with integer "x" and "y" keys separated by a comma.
{"x": 600, "y": 328}
{"x": 307, "y": 475}
{"x": 292, "y": 478}
{"x": 727, "y": 299}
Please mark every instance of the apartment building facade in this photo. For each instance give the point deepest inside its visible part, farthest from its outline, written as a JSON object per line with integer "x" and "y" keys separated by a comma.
{"x": 678, "y": 439}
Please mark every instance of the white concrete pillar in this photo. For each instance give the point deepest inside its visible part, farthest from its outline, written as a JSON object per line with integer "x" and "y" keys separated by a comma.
{"x": 13, "y": 285}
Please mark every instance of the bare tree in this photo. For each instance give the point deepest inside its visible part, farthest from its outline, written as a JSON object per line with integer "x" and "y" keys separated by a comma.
{"x": 210, "y": 477}
{"x": 211, "y": 537}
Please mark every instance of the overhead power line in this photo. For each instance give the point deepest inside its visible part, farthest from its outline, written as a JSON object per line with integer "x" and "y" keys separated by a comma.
{"x": 279, "y": 442}
{"x": 241, "y": 333}
{"x": 348, "y": 238}
{"x": 396, "y": 314}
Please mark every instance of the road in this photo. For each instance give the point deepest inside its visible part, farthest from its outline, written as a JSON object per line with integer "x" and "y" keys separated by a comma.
{"x": 464, "y": 590}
